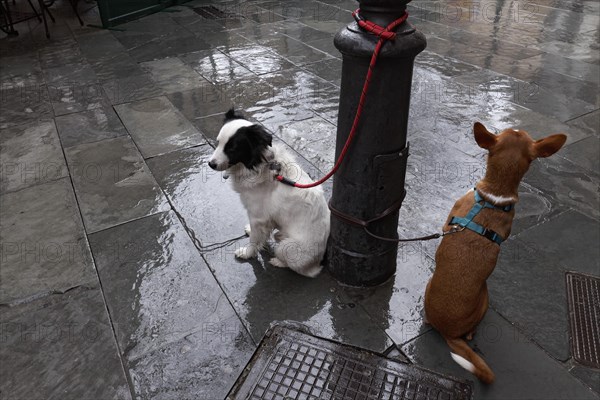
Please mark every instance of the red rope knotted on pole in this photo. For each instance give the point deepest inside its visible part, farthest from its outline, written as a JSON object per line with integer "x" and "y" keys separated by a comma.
{"x": 384, "y": 35}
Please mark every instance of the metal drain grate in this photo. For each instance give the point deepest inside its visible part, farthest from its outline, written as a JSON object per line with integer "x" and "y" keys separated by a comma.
{"x": 211, "y": 12}
{"x": 290, "y": 364}
{"x": 583, "y": 296}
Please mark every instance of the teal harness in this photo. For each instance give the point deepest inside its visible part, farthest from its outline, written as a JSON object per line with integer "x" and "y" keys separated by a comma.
{"x": 467, "y": 221}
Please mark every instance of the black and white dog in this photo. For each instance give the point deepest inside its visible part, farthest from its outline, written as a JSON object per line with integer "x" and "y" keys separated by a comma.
{"x": 300, "y": 216}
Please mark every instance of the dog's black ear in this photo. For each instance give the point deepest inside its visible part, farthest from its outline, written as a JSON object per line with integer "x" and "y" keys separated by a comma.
{"x": 232, "y": 114}
{"x": 257, "y": 140}
{"x": 258, "y": 136}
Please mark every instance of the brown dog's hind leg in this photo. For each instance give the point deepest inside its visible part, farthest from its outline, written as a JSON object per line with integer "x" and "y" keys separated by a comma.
{"x": 425, "y": 320}
{"x": 484, "y": 304}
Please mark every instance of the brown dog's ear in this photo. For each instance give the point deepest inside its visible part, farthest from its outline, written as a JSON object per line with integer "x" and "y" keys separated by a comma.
{"x": 484, "y": 138}
{"x": 549, "y": 145}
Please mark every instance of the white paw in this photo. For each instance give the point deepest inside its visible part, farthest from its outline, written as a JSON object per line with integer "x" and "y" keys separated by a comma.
{"x": 246, "y": 252}
{"x": 247, "y": 229}
{"x": 276, "y": 262}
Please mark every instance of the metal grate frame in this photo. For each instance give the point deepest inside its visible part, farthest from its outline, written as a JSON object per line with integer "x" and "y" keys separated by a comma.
{"x": 290, "y": 364}
{"x": 583, "y": 296}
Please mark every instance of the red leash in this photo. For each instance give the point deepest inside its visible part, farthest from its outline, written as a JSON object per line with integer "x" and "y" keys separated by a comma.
{"x": 384, "y": 34}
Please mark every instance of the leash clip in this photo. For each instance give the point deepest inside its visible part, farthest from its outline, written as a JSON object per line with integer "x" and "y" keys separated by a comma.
{"x": 455, "y": 229}
{"x": 275, "y": 166}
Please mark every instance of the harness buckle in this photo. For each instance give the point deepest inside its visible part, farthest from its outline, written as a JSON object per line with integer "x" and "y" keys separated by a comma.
{"x": 491, "y": 235}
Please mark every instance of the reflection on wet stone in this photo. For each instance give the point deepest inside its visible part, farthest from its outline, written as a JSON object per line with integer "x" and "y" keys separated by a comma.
{"x": 64, "y": 344}
{"x": 31, "y": 154}
{"x": 44, "y": 248}
{"x": 130, "y": 89}
{"x": 112, "y": 183}
{"x": 89, "y": 126}
{"x": 69, "y": 97}
{"x": 157, "y": 126}
{"x": 19, "y": 105}
{"x": 185, "y": 177}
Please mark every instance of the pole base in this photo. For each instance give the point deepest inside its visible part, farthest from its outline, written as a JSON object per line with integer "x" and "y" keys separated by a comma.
{"x": 358, "y": 269}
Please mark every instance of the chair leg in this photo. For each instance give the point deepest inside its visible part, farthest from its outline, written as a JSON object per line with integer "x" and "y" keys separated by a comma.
{"x": 10, "y": 28}
{"x": 74, "y": 4}
{"x": 44, "y": 9}
{"x": 37, "y": 15}
{"x": 49, "y": 13}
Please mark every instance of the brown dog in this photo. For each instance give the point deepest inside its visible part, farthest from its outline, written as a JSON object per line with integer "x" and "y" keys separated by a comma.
{"x": 456, "y": 297}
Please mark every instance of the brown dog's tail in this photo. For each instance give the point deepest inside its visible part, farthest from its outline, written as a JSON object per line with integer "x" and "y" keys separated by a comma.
{"x": 469, "y": 360}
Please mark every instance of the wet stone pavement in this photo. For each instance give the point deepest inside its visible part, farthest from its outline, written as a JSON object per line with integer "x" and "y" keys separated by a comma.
{"x": 106, "y": 288}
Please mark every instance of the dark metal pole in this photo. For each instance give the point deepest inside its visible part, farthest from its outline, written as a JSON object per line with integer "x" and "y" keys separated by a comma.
{"x": 371, "y": 178}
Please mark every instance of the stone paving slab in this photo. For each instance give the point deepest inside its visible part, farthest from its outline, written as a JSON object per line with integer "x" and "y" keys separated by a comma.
{"x": 182, "y": 43}
{"x": 152, "y": 274}
{"x": 314, "y": 138}
{"x": 584, "y": 153}
{"x": 248, "y": 94}
{"x": 100, "y": 44}
{"x": 203, "y": 365}
{"x": 571, "y": 51}
{"x": 589, "y": 376}
{"x": 177, "y": 330}
{"x": 262, "y": 63}
{"x": 533, "y": 273}
{"x": 548, "y": 72}
{"x": 70, "y": 74}
{"x": 20, "y": 105}
{"x": 61, "y": 347}
{"x": 566, "y": 183}
{"x": 326, "y": 45}
{"x": 262, "y": 293}
{"x": 210, "y": 127}
{"x": 279, "y": 110}
{"x": 70, "y": 97}
{"x": 201, "y": 102}
{"x": 131, "y": 88}
{"x": 304, "y": 87}
{"x": 131, "y": 39}
{"x": 73, "y": 87}
{"x": 443, "y": 66}
{"x": 202, "y": 196}
{"x": 89, "y": 126}
{"x": 44, "y": 248}
{"x": 297, "y": 52}
{"x": 157, "y": 127}
{"x": 216, "y": 67}
{"x": 566, "y": 238}
{"x": 172, "y": 75}
{"x": 397, "y": 305}
{"x": 522, "y": 369}
{"x": 588, "y": 122}
{"x": 540, "y": 125}
{"x": 112, "y": 183}
{"x": 534, "y": 208}
{"x": 118, "y": 67}
{"x": 31, "y": 154}
{"x": 529, "y": 94}
{"x": 330, "y": 70}
{"x": 20, "y": 71}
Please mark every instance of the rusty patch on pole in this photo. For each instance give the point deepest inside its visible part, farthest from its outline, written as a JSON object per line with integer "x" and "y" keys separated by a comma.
{"x": 290, "y": 364}
{"x": 583, "y": 296}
